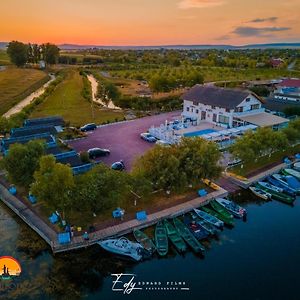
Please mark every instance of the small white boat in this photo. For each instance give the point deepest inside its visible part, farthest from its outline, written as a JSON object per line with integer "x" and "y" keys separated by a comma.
{"x": 232, "y": 207}
{"x": 123, "y": 246}
{"x": 296, "y": 166}
{"x": 260, "y": 193}
{"x": 270, "y": 187}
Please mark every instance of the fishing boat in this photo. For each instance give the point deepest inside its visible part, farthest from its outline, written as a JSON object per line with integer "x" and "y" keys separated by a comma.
{"x": 187, "y": 235}
{"x": 144, "y": 240}
{"x": 209, "y": 218}
{"x": 274, "y": 191}
{"x": 123, "y": 246}
{"x": 292, "y": 182}
{"x": 296, "y": 166}
{"x": 292, "y": 172}
{"x": 260, "y": 193}
{"x": 232, "y": 207}
{"x": 174, "y": 237}
{"x": 227, "y": 221}
{"x": 220, "y": 209}
{"x": 198, "y": 231}
{"x": 207, "y": 226}
{"x": 161, "y": 239}
{"x": 211, "y": 184}
{"x": 277, "y": 181}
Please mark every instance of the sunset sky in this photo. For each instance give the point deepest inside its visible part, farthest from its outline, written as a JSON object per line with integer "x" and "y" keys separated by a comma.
{"x": 150, "y": 22}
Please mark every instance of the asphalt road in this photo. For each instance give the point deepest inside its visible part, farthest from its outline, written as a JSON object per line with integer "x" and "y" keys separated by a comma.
{"x": 123, "y": 139}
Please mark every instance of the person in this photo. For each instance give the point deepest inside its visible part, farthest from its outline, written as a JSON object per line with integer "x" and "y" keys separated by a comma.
{"x": 86, "y": 236}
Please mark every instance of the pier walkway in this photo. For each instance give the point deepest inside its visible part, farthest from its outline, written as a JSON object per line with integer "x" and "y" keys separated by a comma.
{"x": 124, "y": 227}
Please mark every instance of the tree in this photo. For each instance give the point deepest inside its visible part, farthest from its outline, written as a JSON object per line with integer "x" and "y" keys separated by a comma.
{"x": 50, "y": 53}
{"x": 4, "y": 125}
{"x": 18, "y": 53}
{"x": 53, "y": 183}
{"x": 22, "y": 161}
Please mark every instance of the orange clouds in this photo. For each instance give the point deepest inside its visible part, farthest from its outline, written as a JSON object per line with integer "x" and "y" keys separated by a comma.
{"x": 186, "y": 4}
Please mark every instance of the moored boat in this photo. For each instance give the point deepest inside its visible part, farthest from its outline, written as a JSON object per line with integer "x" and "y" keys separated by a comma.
{"x": 144, "y": 240}
{"x": 198, "y": 231}
{"x": 296, "y": 166}
{"x": 220, "y": 209}
{"x": 174, "y": 237}
{"x": 161, "y": 239}
{"x": 292, "y": 172}
{"x": 260, "y": 193}
{"x": 187, "y": 235}
{"x": 232, "y": 207}
{"x": 270, "y": 187}
{"x": 209, "y": 218}
{"x": 207, "y": 226}
{"x": 123, "y": 246}
{"x": 292, "y": 182}
{"x": 277, "y": 181}
{"x": 211, "y": 184}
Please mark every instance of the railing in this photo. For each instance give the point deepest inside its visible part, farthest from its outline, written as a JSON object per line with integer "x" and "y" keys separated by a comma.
{"x": 66, "y": 154}
{"x": 249, "y": 112}
{"x": 82, "y": 169}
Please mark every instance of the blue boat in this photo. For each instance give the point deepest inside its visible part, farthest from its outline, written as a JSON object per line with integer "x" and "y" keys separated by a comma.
{"x": 275, "y": 180}
{"x": 198, "y": 231}
{"x": 292, "y": 182}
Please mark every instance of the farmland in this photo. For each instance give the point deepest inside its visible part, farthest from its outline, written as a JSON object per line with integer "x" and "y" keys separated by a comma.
{"x": 16, "y": 84}
{"x": 68, "y": 102}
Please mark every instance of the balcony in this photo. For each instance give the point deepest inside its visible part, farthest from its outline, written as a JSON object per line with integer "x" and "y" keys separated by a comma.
{"x": 248, "y": 112}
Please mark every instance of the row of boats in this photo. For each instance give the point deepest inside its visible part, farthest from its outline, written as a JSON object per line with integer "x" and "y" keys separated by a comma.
{"x": 284, "y": 186}
{"x": 182, "y": 232}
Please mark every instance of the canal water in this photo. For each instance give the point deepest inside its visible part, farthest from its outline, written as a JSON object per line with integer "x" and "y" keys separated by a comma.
{"x": 257, "y": 259}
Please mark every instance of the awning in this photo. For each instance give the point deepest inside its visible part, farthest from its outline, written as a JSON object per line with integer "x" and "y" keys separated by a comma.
{"x": 263, "y": 119}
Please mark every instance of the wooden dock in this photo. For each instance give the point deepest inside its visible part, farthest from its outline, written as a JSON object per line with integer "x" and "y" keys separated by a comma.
{"x": 77, "y": 242}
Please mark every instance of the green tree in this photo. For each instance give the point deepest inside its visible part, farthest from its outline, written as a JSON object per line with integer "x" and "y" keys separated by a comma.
{"x": 50, "y": 53}
{"x": 18, "y": 53}
{"x": 54, "y": 183}
{"x": 22, "y": 161}
{"x": 4, "y": 125}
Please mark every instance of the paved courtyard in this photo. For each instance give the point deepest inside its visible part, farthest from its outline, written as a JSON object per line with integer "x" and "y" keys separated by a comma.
{"x": 123, "y": 139}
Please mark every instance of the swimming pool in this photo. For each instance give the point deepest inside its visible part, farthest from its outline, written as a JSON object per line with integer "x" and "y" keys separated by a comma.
{"x": 199, "y": 132}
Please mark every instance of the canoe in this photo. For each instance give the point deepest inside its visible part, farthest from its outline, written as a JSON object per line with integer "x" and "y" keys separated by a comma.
{"x": 187, "y": 235}
{"x": 270, "y": 187}
{"x": 144, "y": 240}
{"x": 260, "y": 193}
{"x": 291, "y": 172}
{"x": 276, "y": 195}
{"x": 211, "y": 184}
{"x": 161, "y": 239}
{"x": 292, "y": 182}
{"x": 209, "y": 218}
{"x": 221, "y": 209}
{"x": 232, "y": 207}
{"x": 197, "y": 230}
{"x": 296, "y": 166}
{"x": 277, "y": 181}
{"x": 174, "y": 237}
{"x": 227, "y": 221}
{"x": 239, "y": 177}
{"x": 207, "y": 226}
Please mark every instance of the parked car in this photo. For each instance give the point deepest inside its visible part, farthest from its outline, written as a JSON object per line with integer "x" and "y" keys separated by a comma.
{"x": 118, "y": 165}
{"x": 97, "y": 152}
{"x": 88, "y": 127}
{"x": 148, "y": 137}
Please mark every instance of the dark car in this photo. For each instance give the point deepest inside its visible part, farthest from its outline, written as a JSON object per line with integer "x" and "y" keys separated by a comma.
{"x": 88, "y": 127}
{"x": 118, "y": 166}
{"x": 97, "y": 152}
{"x": 148, "y": 137}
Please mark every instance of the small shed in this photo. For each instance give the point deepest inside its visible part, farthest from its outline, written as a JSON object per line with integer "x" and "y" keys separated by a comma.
{"x": 64, "y": 238}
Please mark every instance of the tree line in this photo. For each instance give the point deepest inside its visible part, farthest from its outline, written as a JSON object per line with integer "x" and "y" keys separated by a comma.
{"x": 21, "y": 54}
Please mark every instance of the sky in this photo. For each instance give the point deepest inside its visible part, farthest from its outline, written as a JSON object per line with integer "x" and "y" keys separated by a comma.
{"x": 150, "y": 22}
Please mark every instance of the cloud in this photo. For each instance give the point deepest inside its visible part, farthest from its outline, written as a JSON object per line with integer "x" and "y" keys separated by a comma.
{"x": 254, "y": 31}
{"x": 186, "y": 4}
{"x": 261, "y": 20}
{"x": 223, "y": 37}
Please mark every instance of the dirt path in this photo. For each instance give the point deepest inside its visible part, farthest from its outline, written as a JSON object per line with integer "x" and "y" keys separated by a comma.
{"x": 94, "y": 84}
{"x": 18, "y": 107}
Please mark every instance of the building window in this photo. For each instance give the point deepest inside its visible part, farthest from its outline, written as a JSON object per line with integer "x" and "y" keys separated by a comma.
{"x": 223, "y": 119}
{"x": 197, "y": 111}
{"x": 213, "y": 107}
{"x": 239, "y": 109}
{"x": 248, "y": 99}
{"x": 187, "y": 109}
{"x": 254, "y": 106}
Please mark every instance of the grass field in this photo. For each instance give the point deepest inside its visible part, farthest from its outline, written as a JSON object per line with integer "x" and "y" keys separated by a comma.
{"x": 67, "y": 101}
{"x": 16, "y": 84}
{"x": 4, "y": 59}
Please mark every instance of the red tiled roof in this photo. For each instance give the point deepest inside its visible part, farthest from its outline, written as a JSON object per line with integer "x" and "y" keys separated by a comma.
{"x": 290, "y": 83}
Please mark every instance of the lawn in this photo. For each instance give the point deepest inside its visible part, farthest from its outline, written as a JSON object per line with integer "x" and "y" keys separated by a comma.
{"x": 4, "y": 59}
{"x": 68, "y": 102}
{"x": 18, "y": 83}
{"x": 264, "y": 162}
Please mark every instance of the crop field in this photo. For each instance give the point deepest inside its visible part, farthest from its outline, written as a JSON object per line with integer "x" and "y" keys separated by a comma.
{"x": 17, "y": 83}
{"x": 68, "y": 102}
{"x": 4, "y": 59}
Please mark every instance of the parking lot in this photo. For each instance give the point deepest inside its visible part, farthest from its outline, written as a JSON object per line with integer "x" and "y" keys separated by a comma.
{"x": 123, "y": 139}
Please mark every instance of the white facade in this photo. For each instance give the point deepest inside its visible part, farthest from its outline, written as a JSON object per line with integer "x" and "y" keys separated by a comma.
{"x": 221, "y": 116}
{"x": 287, "y": 93}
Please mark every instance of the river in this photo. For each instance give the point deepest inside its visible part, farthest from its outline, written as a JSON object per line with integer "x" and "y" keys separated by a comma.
{"x": 257, "y": 259}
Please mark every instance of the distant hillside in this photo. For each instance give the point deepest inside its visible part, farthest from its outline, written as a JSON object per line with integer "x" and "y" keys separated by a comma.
{"x": 182, "y": 47}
